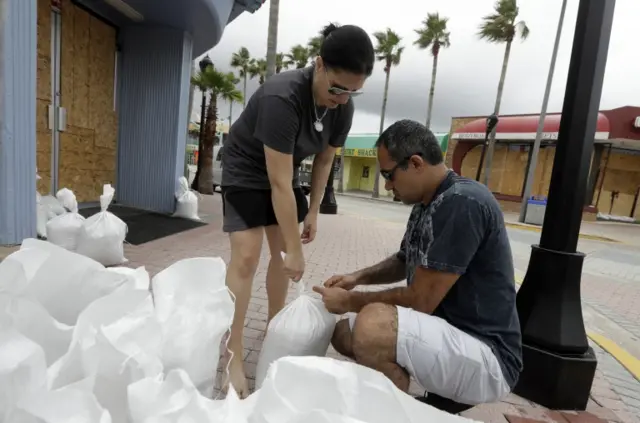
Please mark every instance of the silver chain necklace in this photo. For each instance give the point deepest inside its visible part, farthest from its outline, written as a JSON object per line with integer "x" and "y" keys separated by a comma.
{"x": 318, "y": 126}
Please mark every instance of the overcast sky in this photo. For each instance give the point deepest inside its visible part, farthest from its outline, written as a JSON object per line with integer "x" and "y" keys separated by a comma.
{"x": 468, "y": 71}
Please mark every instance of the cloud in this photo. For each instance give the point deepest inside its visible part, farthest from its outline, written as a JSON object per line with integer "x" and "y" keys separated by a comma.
{"x": 468, "y": 71}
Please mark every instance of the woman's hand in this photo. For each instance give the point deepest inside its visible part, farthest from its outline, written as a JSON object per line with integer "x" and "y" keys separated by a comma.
{"x": 309, "y": 228}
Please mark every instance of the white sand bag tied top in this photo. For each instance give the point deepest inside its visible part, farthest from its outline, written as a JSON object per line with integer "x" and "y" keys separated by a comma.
{"x": 63, "y": 230}
{"x": 102, "y": 235}
{"x": 187, "y": 201}
{"x": 304, "y": 327}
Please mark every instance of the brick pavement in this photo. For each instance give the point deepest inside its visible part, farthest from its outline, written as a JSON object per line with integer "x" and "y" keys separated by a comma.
{"x": 338, "y": 248}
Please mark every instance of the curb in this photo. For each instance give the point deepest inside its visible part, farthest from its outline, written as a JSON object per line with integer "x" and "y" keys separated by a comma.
{"x": 532, "y": 228}
{"x": 624, "y": 357}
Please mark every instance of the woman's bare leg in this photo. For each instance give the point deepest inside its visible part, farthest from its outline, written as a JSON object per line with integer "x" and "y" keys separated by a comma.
{"x": 245, "y": 256}
{"x": 277, "y": 281}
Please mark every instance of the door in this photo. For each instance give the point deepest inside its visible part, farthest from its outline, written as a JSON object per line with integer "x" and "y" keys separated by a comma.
{"x": 76, "y": 122}
{"x": 47, "y": 88}
{"x": 86, "y": 154}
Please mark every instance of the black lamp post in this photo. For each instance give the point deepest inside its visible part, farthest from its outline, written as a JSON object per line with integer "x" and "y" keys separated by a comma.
{"x": 559, "y": 365}
{"x": 203, "y": 64}
{"x": 329, "y": 204}
{"x": 492, "y": 121}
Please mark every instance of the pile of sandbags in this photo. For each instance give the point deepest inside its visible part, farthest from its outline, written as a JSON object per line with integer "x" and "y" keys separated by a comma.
{"x": 63, "y": 230}
{"x": 83, "y": 343}
{"x": 75, "y": 335}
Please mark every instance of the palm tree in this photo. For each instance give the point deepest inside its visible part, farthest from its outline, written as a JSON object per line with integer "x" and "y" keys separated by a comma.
{"x": 313, "y": 46}
{"x": 501, "y": 27}
{"x": 242, "y": 61}
{"x": 258, "y": 69}
{"x": 281, "y": 63}
{"x": 216, "y": 84}
{"x": 388, "y": 51}
{"x": 298, "y": 56}
{"x": 235, "y": 81}
{"x": 272, "y": 39}
{"x": 434, "y": 35}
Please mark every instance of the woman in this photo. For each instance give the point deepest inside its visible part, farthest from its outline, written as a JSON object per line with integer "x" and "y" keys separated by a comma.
{"x": 293, "y": 115}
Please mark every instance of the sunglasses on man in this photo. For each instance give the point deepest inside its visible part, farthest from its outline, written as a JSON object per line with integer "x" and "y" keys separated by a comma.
{"x": 388, "y": 175}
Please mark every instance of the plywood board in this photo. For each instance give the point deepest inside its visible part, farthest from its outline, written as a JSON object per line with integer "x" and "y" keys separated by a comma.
{"x": 88, "y": 146}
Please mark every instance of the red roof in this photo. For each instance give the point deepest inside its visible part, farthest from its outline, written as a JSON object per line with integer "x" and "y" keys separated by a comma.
{"x": 525, "y": 127}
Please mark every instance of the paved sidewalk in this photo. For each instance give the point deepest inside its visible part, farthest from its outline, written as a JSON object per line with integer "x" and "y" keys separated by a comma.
{"x": 345, "y": 243}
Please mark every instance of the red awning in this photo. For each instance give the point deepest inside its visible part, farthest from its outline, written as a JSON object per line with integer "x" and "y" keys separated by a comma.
{"x": 524, "y": 128}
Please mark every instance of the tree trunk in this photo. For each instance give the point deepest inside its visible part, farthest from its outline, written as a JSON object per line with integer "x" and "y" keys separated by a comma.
{"x": 432, "y": 90}
{"x": 376, "y": 181}
{"x": 196, "y": 178}
{"x": 192, "y": 89}
{"x": 230, "y": 113}
{"x": 496, "y": 111}
{"x": 341, "y": 171}
{"x": 205, "y": 181}
{"x": 272, "y": 38}
{"x": 244, "y": 92}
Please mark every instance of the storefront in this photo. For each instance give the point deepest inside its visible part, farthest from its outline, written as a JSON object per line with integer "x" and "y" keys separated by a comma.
{"x": 614, "y": 179}
{"x": 360, "y": 156}
{"x": 96, "y": 92}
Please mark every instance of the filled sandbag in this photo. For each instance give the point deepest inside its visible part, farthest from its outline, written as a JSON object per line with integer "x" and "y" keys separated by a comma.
{"x": 102, "y": 235}
{"x": 186, "y": 201}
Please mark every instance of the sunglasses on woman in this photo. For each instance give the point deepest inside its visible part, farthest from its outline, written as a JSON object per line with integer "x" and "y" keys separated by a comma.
{"x": 338, "y": 90}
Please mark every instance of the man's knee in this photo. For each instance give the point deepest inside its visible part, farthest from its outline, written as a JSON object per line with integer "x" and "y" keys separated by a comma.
{"x": 375, "y": 331}
{"x": 341, "y": 339}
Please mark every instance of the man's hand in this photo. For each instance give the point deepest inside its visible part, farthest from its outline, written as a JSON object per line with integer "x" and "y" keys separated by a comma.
{"x": 294, "y": 266}
{"x": 336, "y": 300}
{"x": 346, "y": 282}
{"x": 309, "y": 229}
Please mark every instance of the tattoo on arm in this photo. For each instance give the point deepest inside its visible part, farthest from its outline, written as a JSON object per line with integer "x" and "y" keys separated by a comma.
{"x": 389, "y": 270}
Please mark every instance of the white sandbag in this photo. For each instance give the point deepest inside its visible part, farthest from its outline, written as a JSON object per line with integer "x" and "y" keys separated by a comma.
{"x": 52, "y": 206}
{"x": 187, "y": 201}
{"x": 115, "y": 343}
{"x": 195, "y": 310}
{"x": 41, "y": 217}
{"x": 22, "y": 368}
{"x": 67, "y": 199}
{"x": 61, "y": 406}
{"x": 295, "y": 386}
{"x": 66, "y": 283}
{"x": 18, "y": 269}
{"x": 63, "y": 230}
{"x": 303, "y": 327}
{"x": 33, "y": 321}
{"x": 135, "y": 278}
{"x": 172, "y": 400}
{"x": 102, "y": 235}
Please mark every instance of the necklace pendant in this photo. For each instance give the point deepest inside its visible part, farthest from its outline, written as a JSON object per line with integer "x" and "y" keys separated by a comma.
{"x": 318, "y": 126}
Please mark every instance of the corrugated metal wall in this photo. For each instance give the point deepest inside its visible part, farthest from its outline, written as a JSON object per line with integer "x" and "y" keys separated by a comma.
{"x": 154, "y": 95}
{"x": 17, "y": 120}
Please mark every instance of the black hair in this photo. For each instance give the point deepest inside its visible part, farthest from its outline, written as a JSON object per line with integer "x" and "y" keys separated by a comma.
{"x": 406, "y": 138}
{"x": 347, "y": 48}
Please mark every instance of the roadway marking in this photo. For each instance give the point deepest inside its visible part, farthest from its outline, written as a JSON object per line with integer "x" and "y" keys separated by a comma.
{"x": 624, "y": 357}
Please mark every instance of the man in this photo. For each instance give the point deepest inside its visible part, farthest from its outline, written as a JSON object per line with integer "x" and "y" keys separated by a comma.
{"x": 454, "y": 327}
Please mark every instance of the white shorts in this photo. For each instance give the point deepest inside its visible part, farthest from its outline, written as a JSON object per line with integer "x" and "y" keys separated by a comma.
{"x": 447, "y": 361}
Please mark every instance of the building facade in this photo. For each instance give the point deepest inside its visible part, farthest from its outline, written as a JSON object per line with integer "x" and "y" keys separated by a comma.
{"x": 360, "y": 156}
{"x": 96, "y": 92}
{"x": 613, "y": 186}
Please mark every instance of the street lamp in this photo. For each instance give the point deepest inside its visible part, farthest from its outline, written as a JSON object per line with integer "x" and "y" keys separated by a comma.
{"x": 492, "y": 121}
{"x": 329, "y": 204}
{"x": 559, "y": 365}
{"x": 533, "y": 158}
{"x": 204, "y": 64}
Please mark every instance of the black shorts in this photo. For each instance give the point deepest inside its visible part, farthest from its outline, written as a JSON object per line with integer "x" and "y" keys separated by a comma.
{"x": 246, "y": 208}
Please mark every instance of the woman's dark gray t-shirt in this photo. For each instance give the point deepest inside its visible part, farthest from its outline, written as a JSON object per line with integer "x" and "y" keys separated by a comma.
{"x": 280, "y": 115}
